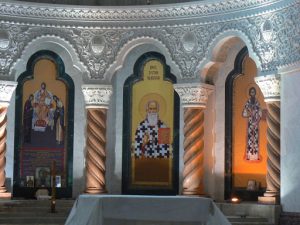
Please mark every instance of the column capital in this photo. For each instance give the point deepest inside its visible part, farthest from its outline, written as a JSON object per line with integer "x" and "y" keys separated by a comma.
{"x": 194, "y": 95}
{"x": 96, "y": 96}
{"x": 7, "y": 88}
{"x": 270, "y": 87}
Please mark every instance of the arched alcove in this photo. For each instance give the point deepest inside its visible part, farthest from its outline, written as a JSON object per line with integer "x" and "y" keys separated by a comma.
{"x": 150, "y": 170}
{"x": 245, "y": 132}
{"x": 44, "y": 121}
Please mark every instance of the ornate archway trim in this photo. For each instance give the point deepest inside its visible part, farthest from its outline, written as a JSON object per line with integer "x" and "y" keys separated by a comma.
{"x": 53, "y": 43}
{"x": 222, "y": 36}
{"x": 135, "y": 43}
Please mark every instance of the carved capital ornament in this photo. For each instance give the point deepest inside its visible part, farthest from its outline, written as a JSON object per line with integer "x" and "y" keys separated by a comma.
{"x": 6, "y": 90}
{"x": 97, "y": 96}
{"x": 194, "y": 95}
{"x": 270, "y": 87}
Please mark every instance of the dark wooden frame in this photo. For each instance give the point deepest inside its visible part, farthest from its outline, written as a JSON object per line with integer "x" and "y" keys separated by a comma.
{"x": 127, "y": 101}
{"x": 28, "y": 192}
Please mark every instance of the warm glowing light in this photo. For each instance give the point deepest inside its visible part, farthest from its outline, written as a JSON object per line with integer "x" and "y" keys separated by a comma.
{"x": 235, "y": 200}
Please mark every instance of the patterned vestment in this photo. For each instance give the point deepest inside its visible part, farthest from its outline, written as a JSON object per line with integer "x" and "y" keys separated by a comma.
{"x": 153, "y": 149}
{"x": 253, "y": 112}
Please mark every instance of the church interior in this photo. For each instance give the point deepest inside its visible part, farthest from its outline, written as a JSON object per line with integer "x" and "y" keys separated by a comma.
{"x": 143, "y": 112}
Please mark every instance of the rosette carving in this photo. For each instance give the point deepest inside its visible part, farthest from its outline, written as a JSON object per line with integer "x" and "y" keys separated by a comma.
{"x": 95, "y": 151}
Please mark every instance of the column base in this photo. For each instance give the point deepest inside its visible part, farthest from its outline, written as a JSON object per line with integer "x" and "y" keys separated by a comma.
{"x": 95, "y": 191}
{"x": 269, "y": 197}
{"x": 5, "y": 195}
{"x": 194, "y": 193}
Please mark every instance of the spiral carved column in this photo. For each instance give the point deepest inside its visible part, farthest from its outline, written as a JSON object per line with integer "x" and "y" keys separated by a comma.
{"x": 95, "y": 151}
{"x": 270, "y": 87}
{"x": 273, "y": 149}
{"x": 193, "y": 151}
{"x": 97, "y": 101}
{"x": 3, "y": 121}
{"x": 193, "y": 99}
{"x": 6, "y": 90}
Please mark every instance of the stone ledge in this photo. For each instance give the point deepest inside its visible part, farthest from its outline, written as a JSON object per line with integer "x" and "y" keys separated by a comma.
{"x": 289, "y": 218}
{"x": 268, "y": 200}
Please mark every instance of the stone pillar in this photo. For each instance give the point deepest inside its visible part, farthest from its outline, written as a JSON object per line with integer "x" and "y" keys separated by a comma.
{"x": 270, "y": 87}
{"x": 193, "y": 100}
{"x": 6, "y": 90}
{"x": 97, "y": 100}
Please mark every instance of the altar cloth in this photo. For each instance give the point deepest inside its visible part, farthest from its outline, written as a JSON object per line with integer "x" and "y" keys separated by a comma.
{"x": 144, "y": 210}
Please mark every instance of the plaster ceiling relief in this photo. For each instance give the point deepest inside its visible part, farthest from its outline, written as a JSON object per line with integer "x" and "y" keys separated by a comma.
{"x": 188, "y": 31}
{"x": 141, "y": 13}
{"x": 97, "y": 44}
{"x": 4, "y": 40}
{"x": 111, "y": 2}
{"x": 267, "y": 30}
{"x": 189, "y": 41}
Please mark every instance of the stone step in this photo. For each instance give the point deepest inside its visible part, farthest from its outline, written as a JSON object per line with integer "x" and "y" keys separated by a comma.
{"x": 34, "y": 220}
{"x": 33, "y": 223}
{"x": 246, "y": 219}
{"x": 34, "y": 209}
{"x": 251, "y": 223}
{"x": 250, "y": 213}
{"x": 34, "y": 212}
{"x": 34, "y": 205}
{"x": 36, "y": 202}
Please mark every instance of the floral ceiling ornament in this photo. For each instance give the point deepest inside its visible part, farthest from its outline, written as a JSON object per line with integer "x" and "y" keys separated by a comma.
{"x": 267, "y": 30}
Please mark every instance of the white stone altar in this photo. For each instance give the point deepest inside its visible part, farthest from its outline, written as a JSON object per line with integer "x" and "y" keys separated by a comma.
{"x": 144, "y": 210}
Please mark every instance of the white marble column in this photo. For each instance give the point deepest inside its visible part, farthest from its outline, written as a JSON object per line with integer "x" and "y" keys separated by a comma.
{"x": 6, "y": 90}
{"x": 97, "y": 99}
{"x": 193, "y": 99}
{"x": 270, "y": 87}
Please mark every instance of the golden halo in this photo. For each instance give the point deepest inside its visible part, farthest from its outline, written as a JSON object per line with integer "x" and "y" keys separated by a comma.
{"x": 152, "y": 96}
{"x": 258, "y": 92}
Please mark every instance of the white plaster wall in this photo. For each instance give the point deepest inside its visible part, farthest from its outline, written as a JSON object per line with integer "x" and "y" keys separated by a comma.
{"x": 219, "y": 125}
{"x": 79, "y": 137}
{"x": 9, "y": 169}
{"x": 209, "y": 140}
{"x": 76, "y": 71}
{"x": 290, "y": 142}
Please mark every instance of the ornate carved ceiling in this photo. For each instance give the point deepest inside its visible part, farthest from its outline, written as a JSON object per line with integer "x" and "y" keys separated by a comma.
{"x": 188, "y": 31}
{"x": 109, "y": 2}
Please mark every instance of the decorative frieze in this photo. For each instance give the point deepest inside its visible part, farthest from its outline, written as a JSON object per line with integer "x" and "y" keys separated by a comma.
{"x": 189, "y": 33}
{"x": 193, "y": 95}
{"x": 4, "y": 40}
{"x": 6, "y": 90}
{"x": 201, "y": 9}
{"x": 270, "y": 87}
{"x": 97, "y": 96}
